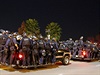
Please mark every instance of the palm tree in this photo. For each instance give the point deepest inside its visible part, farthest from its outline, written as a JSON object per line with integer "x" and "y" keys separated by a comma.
{"x": 54, "y": 30}
{"x": 32, "y": 27}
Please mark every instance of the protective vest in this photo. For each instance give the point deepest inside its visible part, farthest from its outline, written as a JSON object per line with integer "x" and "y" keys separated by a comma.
{"x": 26, "y": 41}
{"x": 48, "y": 46}
{"x": 41, "y": 44}
{"x": 3, "y": 39}
{"x": 11, "y": 43}
{"x": 35, "y": 45}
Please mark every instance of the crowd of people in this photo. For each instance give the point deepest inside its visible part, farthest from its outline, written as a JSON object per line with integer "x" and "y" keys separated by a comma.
{"x": 39, "y": 50}
{"x": 78, "y": 46}
{"x": 35, "y": 50}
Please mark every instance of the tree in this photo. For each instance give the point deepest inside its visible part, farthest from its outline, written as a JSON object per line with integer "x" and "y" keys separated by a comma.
{"x": 54, "y": 30}
{"x": 32, "y": 27}
{"x": 22, "y": 28}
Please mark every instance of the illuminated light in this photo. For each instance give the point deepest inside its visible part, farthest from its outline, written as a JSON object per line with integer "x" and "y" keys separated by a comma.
{"x": 84, "y": 53}
{"x": 20, "y": 56}
{"x": 59, "y": 51}
{"x": 76, "y": 55}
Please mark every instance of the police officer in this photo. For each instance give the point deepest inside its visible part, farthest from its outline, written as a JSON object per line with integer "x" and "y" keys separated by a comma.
{"x": 80, "y": 45}
{"x": 1, "y": 46}
{"x": 35, "y": 52}
{"x": 81, "y": 41}
{"x": 11, "y": 44}
{"x": 41, "y": 49}
{"x": 18, "y": 37}
{"x": 54, "y": 48}
{"x": 70, "y": 42}
{"x": 25, "y": 45}
{"x": 4, "y": 50}
{"x": 75, "y": 50}
{"x": 48, "y": 49}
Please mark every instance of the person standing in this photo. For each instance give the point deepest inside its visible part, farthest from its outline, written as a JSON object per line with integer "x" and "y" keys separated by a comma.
{"x": 11, "y": 44}
{"x": 25, "y": 45}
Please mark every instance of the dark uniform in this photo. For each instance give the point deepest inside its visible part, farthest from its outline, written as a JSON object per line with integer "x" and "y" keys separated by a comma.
{"x": 35, "y": 52}
{"x": 1, "y": 47}
{"x": 3, "y": 50}
{"x": 54, "y": 48}
{"x": 11, "y": 44}
{"x": 25, "y": 44}
{"x": 48, "y": 51}
{"x": 42, "y": 52}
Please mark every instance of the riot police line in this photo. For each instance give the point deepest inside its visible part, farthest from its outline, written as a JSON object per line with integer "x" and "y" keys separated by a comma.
{"x": 24, "y": 51}
{"x": 83, "y": 49}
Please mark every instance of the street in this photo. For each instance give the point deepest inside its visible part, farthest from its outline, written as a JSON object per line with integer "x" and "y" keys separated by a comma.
{"x": 74, "y": 68}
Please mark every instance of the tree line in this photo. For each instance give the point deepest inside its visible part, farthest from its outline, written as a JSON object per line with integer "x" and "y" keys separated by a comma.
{"x": 32, "y": 28}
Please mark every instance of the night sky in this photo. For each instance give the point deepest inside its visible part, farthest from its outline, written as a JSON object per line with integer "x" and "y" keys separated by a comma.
{"x": 75, "y": 17}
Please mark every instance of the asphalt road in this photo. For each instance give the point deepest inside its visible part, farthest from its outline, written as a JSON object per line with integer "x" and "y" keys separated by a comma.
{"x": 74, "y": 68}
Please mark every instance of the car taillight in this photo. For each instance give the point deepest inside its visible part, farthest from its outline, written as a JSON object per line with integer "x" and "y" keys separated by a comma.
{"x": 20, "y": 56}
{"x": 84, "y": 53}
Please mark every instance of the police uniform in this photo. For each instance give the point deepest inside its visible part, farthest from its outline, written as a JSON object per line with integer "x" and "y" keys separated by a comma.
{"x": 3, "y": 50}
{"x": 48, "y": 50}
{"x": 54, "y": 48}
{"x": 25, "y": 44}
{"x": 42, "y": 52}
{"x": 11, "y": 44}
{"x": 35, "y": 53}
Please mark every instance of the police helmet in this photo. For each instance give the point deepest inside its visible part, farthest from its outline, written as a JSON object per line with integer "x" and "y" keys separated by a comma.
{"x": 34, "y": 37}
{"x": 14, "y": 34}
{"x": 24, "y": 34}
{"x": 3, "y": 32}
{"x": 46, "y": 38}
{"x": 76, "y": 41}
{"x": 81, "y": 37}
{"x": 19, "y": 37}
{"x": 6, "y": 31}
{"x": 53, "y": 39}
{"x": 41, "y": 36}
{"x": 10, "y": 35}
{"x": 70, "y": 38}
